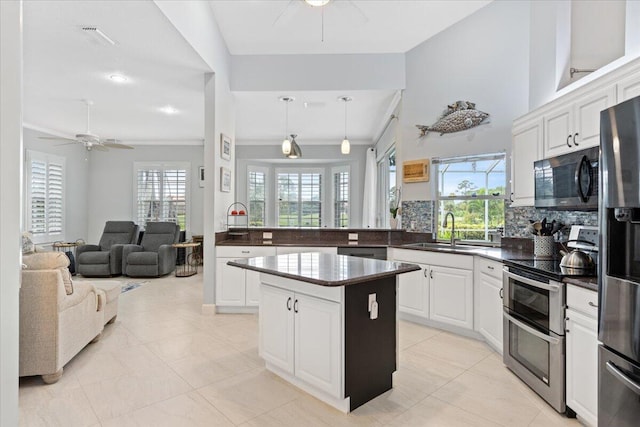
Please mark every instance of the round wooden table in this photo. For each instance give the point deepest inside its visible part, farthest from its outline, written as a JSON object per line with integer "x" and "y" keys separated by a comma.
{"x": 191, "y": 259}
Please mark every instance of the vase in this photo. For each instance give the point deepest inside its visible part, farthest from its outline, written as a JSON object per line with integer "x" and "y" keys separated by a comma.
{"x": 393, "y": 223}
{"x": 543, "y": 246}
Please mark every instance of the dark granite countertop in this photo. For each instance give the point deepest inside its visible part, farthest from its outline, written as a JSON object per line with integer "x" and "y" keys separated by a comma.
{"x": 325, "y": 269}
{"x": 495, "y": 254}
{"x": 304, "y": 244}
{"x": 590, "y": 283}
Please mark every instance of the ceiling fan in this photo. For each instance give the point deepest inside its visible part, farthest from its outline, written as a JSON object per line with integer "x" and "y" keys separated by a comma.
{"x": 90, "y": 141}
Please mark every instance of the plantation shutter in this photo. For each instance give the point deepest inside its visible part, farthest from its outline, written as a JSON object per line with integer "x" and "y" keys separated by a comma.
{"x": 45, "y": 196}
{"x": 162, "y": 192}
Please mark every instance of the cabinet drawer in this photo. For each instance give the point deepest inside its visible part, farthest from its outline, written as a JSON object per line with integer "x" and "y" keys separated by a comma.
{"x": 433, "y": 258}
{"x": 582, "y": 300}
{"x": 491, "y": 268}
{"x": 244, "y": 251}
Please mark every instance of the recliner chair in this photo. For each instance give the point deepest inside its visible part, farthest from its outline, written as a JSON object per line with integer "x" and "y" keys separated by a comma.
{"x": 105, "y": 259}
{"x": 155, "y": 256}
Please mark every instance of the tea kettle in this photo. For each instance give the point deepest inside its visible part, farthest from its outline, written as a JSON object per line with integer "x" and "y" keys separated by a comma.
{"x": 576, "y": 258}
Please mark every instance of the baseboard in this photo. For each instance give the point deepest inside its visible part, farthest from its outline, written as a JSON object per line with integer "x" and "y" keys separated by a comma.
{"x": 208, "y": 309}
{"x": 443, "y": 326}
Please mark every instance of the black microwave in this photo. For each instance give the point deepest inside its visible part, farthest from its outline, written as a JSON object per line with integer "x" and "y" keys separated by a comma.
{"x": 569, "y": 181}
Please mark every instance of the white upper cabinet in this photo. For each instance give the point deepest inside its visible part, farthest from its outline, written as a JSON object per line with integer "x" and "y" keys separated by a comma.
{"x": 526, "y": 149}
{"x": 629, "y": 87}
{"x": 575, "y": 125}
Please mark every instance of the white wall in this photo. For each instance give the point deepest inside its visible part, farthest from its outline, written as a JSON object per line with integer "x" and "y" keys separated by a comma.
{"x": 318, "y": 72}
{"x": 77, "y": 166}
{"x": 10, "y": 212}
{"x": 314, "y": 156}
{"x": 482, "y": 59}
{"x": 111, "y": 184}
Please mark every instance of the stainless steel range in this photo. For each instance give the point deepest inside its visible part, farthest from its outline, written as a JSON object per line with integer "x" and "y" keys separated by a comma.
{"x": 534, "y": 301}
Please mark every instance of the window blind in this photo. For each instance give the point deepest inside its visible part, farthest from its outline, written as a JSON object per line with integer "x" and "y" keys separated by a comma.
{"x": 45, "y": 196}
{"x": 162, "y": 193}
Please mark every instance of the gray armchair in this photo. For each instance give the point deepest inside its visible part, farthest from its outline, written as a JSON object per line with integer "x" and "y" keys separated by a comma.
{"x": 105, "y": 258}
{"x": 155, "y": 256}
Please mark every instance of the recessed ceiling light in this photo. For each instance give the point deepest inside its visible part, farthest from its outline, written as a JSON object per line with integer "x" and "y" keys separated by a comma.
{"x": 118, "y": 78}
{"x": 168, "y": 109}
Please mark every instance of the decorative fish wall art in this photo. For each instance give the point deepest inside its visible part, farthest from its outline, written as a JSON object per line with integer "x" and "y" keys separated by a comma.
{"x": 461, "y": 115}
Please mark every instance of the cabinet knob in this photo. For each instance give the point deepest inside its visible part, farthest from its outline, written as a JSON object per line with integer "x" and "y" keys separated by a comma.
{"x": 246, "y": 252}
{"x": 490, "y": 267}
{"x": 501, "y": 293}
{"x": 431, "y": 274}
{"x": 289, "y": 303}
{"x": 593, "y": 305}
{"x": 567, "y": 331}
{"x": 568, "y": 143}
{"x": 574, "y": 139}
{"x": 424, "y": 273}
{"x": 295, "y": 306}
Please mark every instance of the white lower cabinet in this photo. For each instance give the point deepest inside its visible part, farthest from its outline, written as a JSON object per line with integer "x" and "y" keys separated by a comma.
{"x": 413, "y": 292}
{"x": 441, "y": 291}
{"x": 487, "y": 284}
{"x": 451, "y": 296}
{"x": 582, "y": 353}
{"x": 302, "y": 335}
{"x": 237, "y": 288}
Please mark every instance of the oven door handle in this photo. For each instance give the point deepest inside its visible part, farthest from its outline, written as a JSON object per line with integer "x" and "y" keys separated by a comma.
{"x": 547, "y": 338}
{"x": 534, "y": 283}
{"x": 620, "y": 376}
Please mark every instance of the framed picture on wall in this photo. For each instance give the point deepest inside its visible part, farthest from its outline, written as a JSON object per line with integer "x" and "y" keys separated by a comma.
{"x": 201, "y": 176}
{"x": 225, "y": 147}
{"x": 225, "y": 180}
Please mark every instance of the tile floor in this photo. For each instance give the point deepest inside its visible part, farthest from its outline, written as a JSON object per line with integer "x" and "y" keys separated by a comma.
{"x": 162, "y": 363}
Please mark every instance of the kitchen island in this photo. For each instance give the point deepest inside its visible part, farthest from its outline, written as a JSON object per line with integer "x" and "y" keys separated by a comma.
{"x": 328, "y": 323}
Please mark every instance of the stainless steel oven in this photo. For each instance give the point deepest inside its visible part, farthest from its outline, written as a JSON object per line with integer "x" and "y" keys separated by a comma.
{"x": 534, "y": 333}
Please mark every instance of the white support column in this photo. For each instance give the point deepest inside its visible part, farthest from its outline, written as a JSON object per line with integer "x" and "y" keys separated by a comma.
{"x": 209, "y": 267}
{"x": 10, "y": 207}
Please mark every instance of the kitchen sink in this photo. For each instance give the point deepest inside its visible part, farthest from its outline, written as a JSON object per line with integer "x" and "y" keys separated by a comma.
{"x": 443, "y": 246}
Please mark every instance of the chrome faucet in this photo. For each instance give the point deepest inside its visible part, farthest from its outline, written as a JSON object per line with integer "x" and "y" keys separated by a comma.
{"x": 453, "y": 226}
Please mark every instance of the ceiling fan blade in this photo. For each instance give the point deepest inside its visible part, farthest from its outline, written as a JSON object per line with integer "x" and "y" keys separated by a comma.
{"x": 117, "y": 145}
{"x": 66, "y": 143}
{"x": 97, "y": 147}
{"x": 114, "y": 143}
{"x": 57, "y": 138}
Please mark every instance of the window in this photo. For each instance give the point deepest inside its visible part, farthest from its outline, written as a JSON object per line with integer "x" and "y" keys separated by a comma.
{"x": 161, "y": 192}
{"x": 386, "y": 186}
{"x": 299, "y": 198}
{"x": 340, "y": 197}
{"x": 45, "y": 196}
{"x": 257, "y": 183}
{"x": 473, "y": 189}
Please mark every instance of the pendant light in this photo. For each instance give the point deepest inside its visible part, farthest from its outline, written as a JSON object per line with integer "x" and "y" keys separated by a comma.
{"x": 296, "y": 152}
{"x": 286, "y": 144}
{"x": 345, "y": 147}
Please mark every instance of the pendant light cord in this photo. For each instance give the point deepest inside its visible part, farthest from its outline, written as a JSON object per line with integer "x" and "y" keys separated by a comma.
{"x": 345, "y": 119}
{"x": 286, "y": 119}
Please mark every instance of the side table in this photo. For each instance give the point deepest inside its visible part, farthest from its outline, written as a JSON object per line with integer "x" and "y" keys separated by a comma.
{"x": 69, "y": 248}
{"x": 191, "y": 260}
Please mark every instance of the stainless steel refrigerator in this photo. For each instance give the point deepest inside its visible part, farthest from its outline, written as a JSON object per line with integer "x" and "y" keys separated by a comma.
{"x": 619, "y": 275}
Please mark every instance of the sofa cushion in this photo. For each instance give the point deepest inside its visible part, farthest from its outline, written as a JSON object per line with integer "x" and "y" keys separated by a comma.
{"x": 50, "y": 261}
{"x": 144, "y": 258}
{"x": 94, "y": 257}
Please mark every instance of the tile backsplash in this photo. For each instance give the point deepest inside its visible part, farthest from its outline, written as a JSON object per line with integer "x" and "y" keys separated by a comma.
{"x": 517, "y": 218}
{"x": 419, "y": 216}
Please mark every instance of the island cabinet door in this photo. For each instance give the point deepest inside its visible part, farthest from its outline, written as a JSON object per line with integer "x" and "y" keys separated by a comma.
{"x": 451, "y": 296}
{"x": 230, "y": 284}
{"x": 413, "y": 292}
{"x": 318, "y": 348}
{"x": 276, "y": 322}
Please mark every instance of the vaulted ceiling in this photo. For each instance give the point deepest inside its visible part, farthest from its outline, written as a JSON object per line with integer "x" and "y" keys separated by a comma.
{"x": 64, "y": 65}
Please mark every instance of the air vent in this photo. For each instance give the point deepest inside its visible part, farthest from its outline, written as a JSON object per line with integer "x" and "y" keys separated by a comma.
{"x": 98, "y": 35}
